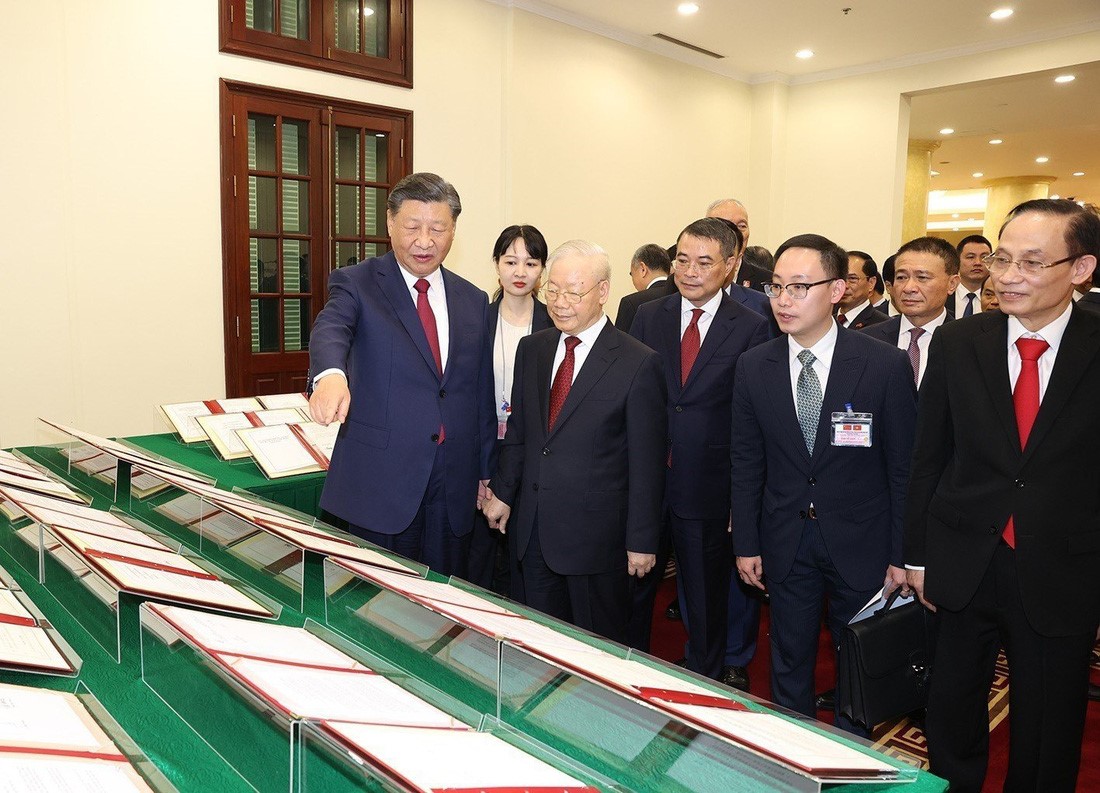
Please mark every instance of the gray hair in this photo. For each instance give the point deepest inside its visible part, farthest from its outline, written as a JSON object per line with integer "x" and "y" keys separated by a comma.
{"x": 586, "y": 249}
{"x": 715, "y": 204}
{"x": 426, "y": 187}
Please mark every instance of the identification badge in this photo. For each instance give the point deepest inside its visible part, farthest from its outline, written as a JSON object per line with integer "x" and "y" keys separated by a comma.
{"x": 502, "y": 429}
{"x": 851, "y": 429}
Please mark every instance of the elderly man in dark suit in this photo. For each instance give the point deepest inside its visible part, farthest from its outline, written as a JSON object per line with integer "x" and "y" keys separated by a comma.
{"x": 582, "y": 465}
{"x": 651, "y": 272}
{"x": 926, "y": 271}
{"x": 854, "y": 311}
{"x": 700, "y": 334}
{"x": 1002, "y": 535}
{"x": 410, "y": 341}
{"x": 823, "y": 424}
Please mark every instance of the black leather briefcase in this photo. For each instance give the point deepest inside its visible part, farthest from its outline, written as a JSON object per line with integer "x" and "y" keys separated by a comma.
{"x": 885, "y": 662}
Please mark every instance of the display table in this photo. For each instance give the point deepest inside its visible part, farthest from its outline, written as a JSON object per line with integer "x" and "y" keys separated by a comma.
{"x": 192, "y": 765}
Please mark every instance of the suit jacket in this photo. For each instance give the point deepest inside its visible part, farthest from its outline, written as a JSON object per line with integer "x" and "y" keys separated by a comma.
{"x": 628, "y": 306}
{"x": 1090, "y": 301}
{"x": 369, "y": 328}
{"x": 758, "y": 302}
{"x": 594, "y": 483}
{"x": 540, "y": 318}
{"x": 970, "y": 474}
{"x": 697, "y": 485}
{"x": 868, "y": 316}
{"x": 858, "y": 493}
{"x": 890, "y": 330}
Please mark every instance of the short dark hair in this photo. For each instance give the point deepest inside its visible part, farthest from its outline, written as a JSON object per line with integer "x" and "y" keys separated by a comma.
{"x": 888, "y": 268}
{"x": 722, "y": 231}
{"x": 532, "y": 240}
{"x": 426, "y": 187}
{"x": 972, "y": 238}
{"x": 833, "y": 258}
{"x": 937, "y": 246}
{"x": 1082, "y": 230}
{"x": 984, "y": 282}
{"x": 654, "y": 257}
{"x": 870, "y": 268}
{"x": 757, "y": 265}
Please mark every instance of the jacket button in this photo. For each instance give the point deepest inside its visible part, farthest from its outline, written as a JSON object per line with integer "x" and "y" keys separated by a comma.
{"x": 679, "y": 409}
{"x": 812, "y": 481}
{"x": 535, "y": 486}
{"x": 802, "y": 514}
{"x": 545, "y": 452}
{"x": 435, "y": 437}
{"x": 442, "y": 393}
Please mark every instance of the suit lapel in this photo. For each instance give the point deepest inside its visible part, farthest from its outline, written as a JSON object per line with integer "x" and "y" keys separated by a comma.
{"x": 720, "y": 328}
{"x": 1079, "y": 346}
{"x": 392, "y": 285}
{"x": 669, "y": 335}
{"x": 544, "y": 363}
{"x": 776, "y": 376}
{"x": 456, "y": 310}
{"x": 844, "y": 375}
{"x": 991, "y": 351}
{"x": 603, "y": 353}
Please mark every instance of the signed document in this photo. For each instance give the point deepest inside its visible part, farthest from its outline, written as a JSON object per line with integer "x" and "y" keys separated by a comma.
{"x": 275, "y": 401}
{"x": 280, "y": 451}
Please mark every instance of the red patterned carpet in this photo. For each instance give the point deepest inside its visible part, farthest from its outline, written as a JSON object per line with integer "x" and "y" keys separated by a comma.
{"x": 903, "y": 739}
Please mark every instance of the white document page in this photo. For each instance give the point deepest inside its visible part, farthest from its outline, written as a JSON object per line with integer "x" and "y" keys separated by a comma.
{"x": 321, "y": 437}
{"x": 185, "y": 509}
{"x": 182, "y": 418}
{"x": 12, "y": 606}
{"x": 38, "y": 716}
{"x": 277, "y": 450}
{"x": 28, "y": 774}
{"x": 239, "y": 405}
{"x": 276, "y": 401}
{"x": 498, "y": 764}
{"x": 275, "y": 417}
{"x": 46, "y": 486}
{"x": 222, "y": 428}
{"x": 30, "y": 645}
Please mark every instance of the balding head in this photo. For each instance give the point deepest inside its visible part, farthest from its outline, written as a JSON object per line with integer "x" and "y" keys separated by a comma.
{"x": 732, "y": 210}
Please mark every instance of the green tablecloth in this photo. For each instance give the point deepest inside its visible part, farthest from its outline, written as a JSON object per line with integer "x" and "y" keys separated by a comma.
{"x": 192, "y": 765}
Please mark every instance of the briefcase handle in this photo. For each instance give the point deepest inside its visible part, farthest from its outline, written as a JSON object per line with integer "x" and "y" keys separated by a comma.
{"x": 889, "y": 603}
{"x": 921, "y": 670}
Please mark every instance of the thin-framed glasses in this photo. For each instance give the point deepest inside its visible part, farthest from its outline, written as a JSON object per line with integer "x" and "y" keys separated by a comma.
{"x": 572, "y": 298}
{"x": 999, "y": 263}
{"x": 683, "y": 265}
{"x": 797, "y": 290}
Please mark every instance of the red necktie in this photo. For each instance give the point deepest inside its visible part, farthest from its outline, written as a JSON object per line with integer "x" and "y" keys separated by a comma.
{"x": 563, "y": 380}
{"x": 431, "y": 330}
{"x": 914, "y": 353}
{"x": 1025, "y": 398}
{"x": 689, "y": 345}
{"x": 841, "y": 319}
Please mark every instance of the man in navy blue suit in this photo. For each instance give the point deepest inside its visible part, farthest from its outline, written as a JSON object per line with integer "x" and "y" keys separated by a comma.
{"x": 823, "y": 423}
{"x": 700, "y": 333}
{"x": 410, "y": 341}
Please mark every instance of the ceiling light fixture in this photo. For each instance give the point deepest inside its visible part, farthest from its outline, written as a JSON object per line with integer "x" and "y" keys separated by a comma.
{"x": 977, "y": 174}
{"x": 947, "y": 131}
{"x": 1001, "y": 13}
{"x": 996, "y": 142}
{"x": 1041, "y": 160}
{"x": 804, "y": 54}
{"x": 687, "y": 9}
{"x": 1078, "y": 173}
{"x": 1056, "y": 196}
{"x": 368, "y": 12}
{"x": 1065, "y": 78}
{"x": 955, "y": 214}
{"x": 955, "y": 228}
{"x": 933, "y": 173}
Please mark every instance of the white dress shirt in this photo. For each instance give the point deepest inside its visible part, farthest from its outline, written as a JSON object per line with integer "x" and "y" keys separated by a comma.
{"x": 849, "y": 316}
{"x": 960, "y": 300}
{"x": 437, "y": 299}
{"x": 823, "y": 352}
{"x": 1051, "y": 334}
{"x": 580, "y": 352}
{"x": 922, "y": 342}
{"x": 710, "y": 308}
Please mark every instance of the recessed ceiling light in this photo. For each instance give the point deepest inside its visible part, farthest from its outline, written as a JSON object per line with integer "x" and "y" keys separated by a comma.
{"x": 804, "y": 54}
{"x": 1065, "y": 78}
{"x": 368, "y": 12}
{"x": 687, "y": 8}
{"x": 1056, "y": 196}
{"x": 947, "y": 131}
{"x": 933, "y": 173}
{"x": 954, "y": 214}
{"x": 1001, "y": 13}
{"x": 1078, "y": 173}
{"x": 956, "y": 228}
{"x": 996, "y": 142}
{"x": 1042, "y": 159}
{"x": 977, "y": 174}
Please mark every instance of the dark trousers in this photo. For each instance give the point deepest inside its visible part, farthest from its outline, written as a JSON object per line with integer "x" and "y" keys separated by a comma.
{"x": 796, "y": 604}
{"x": 643, "y": 594}
{"x": 428, "y": 539}
{"x": 1047, "y": 693}
{"x": 488, "y": 565}
{"x": 599, "y": 603}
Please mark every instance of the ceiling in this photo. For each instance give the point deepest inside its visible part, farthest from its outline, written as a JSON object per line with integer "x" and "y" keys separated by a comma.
{"x": 758, "y": 39}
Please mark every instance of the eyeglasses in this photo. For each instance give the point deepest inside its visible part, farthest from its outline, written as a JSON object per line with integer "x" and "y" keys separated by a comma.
{"x": 855, "y": 278}
{"x": 999, "y": 263}
{"x": 797, "y": 291}
{"x": 682, "y": 265}
{"x": 572, "y": 298}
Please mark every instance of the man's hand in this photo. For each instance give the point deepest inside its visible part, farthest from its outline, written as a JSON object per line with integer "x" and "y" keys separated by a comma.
{"x": 895, "y": 577}
{"x": 330, "y": 401}
{"x": 496, "y": 514}
{"x": 483, "y": 492}
{"x": 751, "y": 570}
{"x": 915, "y": 579}
{"x": 639, "y": 563}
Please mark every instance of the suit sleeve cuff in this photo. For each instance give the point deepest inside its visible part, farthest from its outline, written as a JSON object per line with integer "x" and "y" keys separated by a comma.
{"x": 326, "y": 373}
{"x": 914, "y": 567}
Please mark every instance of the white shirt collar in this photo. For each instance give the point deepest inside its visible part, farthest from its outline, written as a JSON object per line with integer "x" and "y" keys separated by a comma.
{"x": 1051, "y": 333}
{"x": 656, "y": 280}
{"x": 588, "y": 336}
{"x": 822, "y": 350}
{"x": 855, "y": 312}
{"x": 929, "y": 327}
{"x": 710, "y": 308}
{"x": 435, "y": 278}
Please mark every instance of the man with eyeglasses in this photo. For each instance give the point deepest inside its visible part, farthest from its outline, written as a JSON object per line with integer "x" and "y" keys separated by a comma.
{"x": 700, "y": 334}
{"x": 1002, "y": 534}
{"x": 582, "y": 465}
{"x": 823, "y": 422}
{"x": 966, "y": 300}
{"x": 855, "y": 310}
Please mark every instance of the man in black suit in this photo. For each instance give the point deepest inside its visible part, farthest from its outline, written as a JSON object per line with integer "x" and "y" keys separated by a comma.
{"x": 651, "y": 272}
{"x": 582, "y": 464}
{"x": 855, "y": 310}
{"x": 926, "y": 271}
{"x": 823, "y": 424}
{"x": 966, "y": 300}
{"x": 1002, "y": 537}
{"x": 700, "y": 334}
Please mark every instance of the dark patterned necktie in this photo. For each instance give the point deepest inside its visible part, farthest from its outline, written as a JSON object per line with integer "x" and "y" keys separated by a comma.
{"x": 563, "y": 380}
